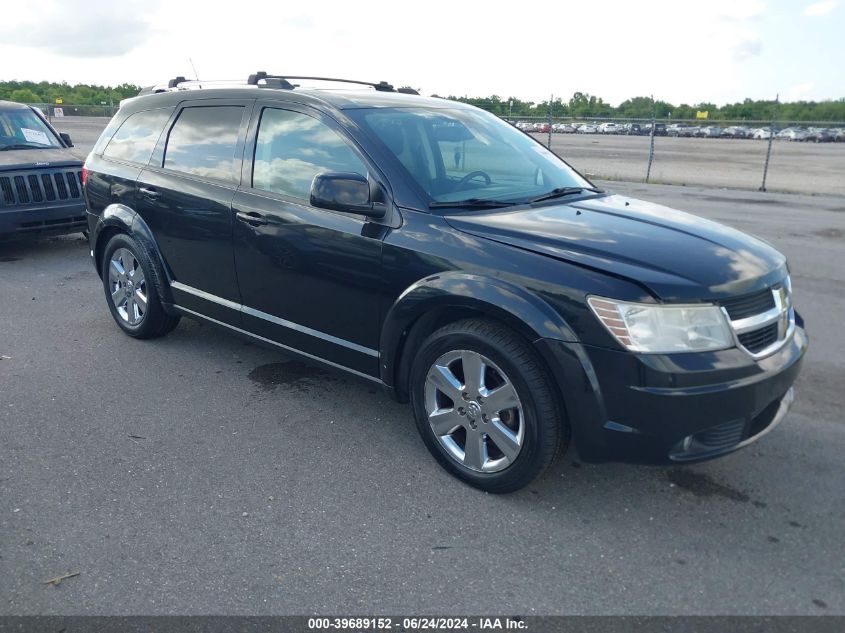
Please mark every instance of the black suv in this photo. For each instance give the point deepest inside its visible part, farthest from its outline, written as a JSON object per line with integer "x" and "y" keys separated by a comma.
{"x": 40, "y": 186}
{"x": 432, "y": 248}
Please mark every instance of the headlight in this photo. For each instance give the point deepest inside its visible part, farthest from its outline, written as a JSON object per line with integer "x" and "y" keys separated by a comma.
{"x": 651, "y": 328}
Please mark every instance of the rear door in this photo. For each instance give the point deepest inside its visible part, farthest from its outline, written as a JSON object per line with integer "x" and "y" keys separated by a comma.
{"x": 185, "y": 196}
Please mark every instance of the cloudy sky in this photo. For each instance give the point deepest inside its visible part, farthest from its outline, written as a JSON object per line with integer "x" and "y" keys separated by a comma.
{"x": 714, "y": 50}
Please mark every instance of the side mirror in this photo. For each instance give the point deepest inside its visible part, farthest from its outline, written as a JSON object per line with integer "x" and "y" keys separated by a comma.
{"x": 66, "y": 139}
{"x": 344, "y": 191}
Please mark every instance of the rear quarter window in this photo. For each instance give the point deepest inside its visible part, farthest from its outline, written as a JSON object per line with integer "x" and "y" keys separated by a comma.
{"x": 137, "y": 136}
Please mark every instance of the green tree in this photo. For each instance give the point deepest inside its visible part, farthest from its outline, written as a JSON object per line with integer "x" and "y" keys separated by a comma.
{"x": 24, "y": 95}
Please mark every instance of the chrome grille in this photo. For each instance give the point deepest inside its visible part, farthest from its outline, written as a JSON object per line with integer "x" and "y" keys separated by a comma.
{"x": 763, "y": 321}
{"x": 759, "y": 339}
{"x": 749, "y": 305}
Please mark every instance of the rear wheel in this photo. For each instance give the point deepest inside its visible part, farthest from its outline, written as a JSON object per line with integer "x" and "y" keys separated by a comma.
{"x": 484, "y": 405}
{"x": 129, "y": 282}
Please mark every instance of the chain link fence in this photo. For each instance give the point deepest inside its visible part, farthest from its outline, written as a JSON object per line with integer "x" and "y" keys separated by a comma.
{"x": 55, "y": 110}
{"x": 792, "y": 156}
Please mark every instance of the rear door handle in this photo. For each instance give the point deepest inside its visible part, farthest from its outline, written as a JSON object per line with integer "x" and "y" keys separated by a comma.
{"x": 149, "y": 193}
{"x": 251, "y": 217}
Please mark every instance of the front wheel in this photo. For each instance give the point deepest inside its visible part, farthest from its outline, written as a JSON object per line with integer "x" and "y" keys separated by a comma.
{"x": 485, "y": 406}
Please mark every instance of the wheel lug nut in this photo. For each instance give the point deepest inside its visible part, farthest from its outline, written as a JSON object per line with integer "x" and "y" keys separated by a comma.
{"x": 465, "y": 395}
{"x": 462, "y": 411}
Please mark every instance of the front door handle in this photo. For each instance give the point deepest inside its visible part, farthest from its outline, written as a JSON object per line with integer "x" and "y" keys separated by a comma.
{"x": 149, "y": 193}
{"x": 251, "y": 217}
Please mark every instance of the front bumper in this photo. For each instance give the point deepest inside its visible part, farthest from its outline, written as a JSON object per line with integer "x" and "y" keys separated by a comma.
{"x": 41, "y": 221}
{"x": 672, "y": 408}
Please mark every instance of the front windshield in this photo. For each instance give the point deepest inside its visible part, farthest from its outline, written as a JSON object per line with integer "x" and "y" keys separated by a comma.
{"x": 22, "y": 128}
{"x": 461, "y": 154}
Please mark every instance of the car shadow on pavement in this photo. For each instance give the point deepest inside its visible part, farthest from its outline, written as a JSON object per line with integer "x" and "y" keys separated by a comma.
{"x": 44, "y": 247}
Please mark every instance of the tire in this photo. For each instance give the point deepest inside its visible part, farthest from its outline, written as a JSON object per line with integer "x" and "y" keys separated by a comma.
{"x": 512, "y": 446}
{"x": 133, "y": 298}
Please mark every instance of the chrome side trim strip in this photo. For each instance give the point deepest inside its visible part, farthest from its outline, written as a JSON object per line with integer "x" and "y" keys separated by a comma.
{"x": 277, "y": 344}
{"x": 307, "y": 330}
{"x": 274, "y": 319}
{"x": 205, "y": 295}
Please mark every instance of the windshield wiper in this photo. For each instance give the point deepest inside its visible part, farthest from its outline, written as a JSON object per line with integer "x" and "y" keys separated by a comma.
{"x": 21, "y": 146}
{"x": 560, "y": 192}
{"x": 472, "y": 203}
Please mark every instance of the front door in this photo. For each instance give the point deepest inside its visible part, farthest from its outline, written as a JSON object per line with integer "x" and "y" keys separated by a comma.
{"x": 309, "y": 278}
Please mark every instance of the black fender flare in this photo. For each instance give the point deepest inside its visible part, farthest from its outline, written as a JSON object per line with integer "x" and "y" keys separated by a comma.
{"x": 123, "y": 219}
{"x": 525, "y": 312}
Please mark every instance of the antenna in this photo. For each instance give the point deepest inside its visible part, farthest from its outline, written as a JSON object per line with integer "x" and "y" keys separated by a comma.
{"x": 196, "y": 76}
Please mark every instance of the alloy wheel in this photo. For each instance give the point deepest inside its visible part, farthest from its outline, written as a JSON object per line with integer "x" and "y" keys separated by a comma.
{"x": 474, "y": 411}
{"x": 128, "y": 286}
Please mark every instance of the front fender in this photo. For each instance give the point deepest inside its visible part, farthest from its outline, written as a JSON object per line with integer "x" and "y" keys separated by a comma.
{"x": 525, "y": 312}
{"x": 118, "y": 218}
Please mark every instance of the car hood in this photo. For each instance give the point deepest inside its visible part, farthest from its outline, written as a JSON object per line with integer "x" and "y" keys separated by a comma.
{"x": 675, "y": 255}
{"x": 37, "y": 158}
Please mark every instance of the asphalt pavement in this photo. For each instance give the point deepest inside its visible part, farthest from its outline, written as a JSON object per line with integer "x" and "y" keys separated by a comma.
{"x": 202, "y": 474}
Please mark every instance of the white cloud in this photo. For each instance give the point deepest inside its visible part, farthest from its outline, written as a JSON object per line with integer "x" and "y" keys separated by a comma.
{"x": 821, "y": 8}
{"x": 740, "y": 43}
{"x": 62, "y": 29}
{"x": 799, "y": 92}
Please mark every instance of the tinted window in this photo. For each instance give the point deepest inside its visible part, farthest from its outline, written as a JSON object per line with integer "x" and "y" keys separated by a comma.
{"x": 137, "y": 136}
{"x": 292, "y": 148}
{"x": 203, "y": 140}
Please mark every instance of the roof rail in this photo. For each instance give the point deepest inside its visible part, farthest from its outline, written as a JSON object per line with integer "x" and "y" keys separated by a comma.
{"x": 381, "y": 86}
{"x": 273, "y": 81}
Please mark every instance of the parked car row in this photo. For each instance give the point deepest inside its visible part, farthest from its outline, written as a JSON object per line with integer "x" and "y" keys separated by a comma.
{"x": 590, "y": 128}
{"x": 818, "y": 135}
{"x": 814, "y": 134}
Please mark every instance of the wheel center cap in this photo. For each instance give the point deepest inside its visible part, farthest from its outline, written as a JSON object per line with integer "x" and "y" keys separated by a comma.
{"x": 473, "y": 410}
